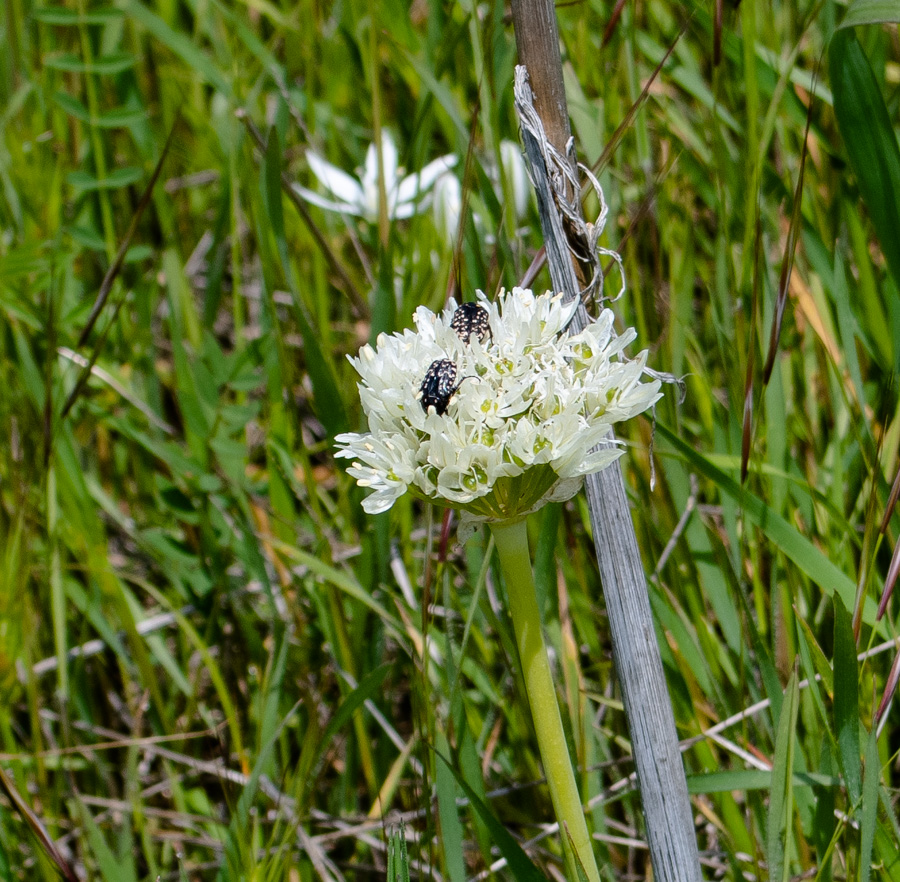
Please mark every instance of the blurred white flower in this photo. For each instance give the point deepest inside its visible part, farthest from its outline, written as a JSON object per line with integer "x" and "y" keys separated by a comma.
{"x": 516, "y": 406}
{"x": 516, "y": 174}
{"x": 360, "y": 198}
{"x": 447, "y": 206}
{"x": 447, "y": 200}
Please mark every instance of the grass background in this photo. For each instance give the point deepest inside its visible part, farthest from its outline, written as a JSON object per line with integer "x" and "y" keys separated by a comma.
{"x": 213, "y": 665}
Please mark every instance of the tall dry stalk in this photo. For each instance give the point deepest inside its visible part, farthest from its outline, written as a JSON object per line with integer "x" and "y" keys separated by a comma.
{"x": 663, "y": 788}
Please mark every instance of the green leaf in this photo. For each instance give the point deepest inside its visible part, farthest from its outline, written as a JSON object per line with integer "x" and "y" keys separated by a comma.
{"x": 751, "y": 779}
{"x": 87, "y": 237}
{"x": 870, "y": 140}
{"x": 824, "y": 822}
{"x": 240, "y": 819}
{"x": 451, "y": 828}
{"x": 59, "y": 15}
{"x": 811, "y": 656}
{"x": 888, "y": 836}
{"x": 114, "y": 63}
{"x": 846, "y": 699}
{"x": 113, "y": 868}
{"x": 781, "y": 801}
{"x": 871, "y": 777}
{"x": 120, "y": 118}
{"x": 122, "y": 177}
{"x": 34, "y": 823}
{"x": 270, "y": 700}
{"x": 398, "y": 858}
{"x": 723, "y": 782}
{"x": 23, "y": 261}
{"x": 367, "y": 687}
{"x": 823, "y": 669}
{"x": 137, "y": 253}
{"x": 864, "y": 12}
{"x": 6, "y": 874}
{"x": 72, "y": 106}
{"x": 579, "y": 866}
{"x": 522, "y": 869}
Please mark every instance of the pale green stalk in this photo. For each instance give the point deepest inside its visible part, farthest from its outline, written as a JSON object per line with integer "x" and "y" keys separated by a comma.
{"x": 511, "y": 539}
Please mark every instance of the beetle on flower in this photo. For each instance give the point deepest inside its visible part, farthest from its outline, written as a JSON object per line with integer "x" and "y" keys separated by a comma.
{"x": 525, "y": 430}
{"x": 494, "y": 409}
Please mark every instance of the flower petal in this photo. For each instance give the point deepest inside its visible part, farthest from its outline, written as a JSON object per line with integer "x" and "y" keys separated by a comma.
{"x": 316, "y": 199}
{"x": 414, "y": 186}
{"x": 447, "y": 206}
{"x": 337, "y": 182}
{"x": 388, "y": 157}
{"x": 405, "y": 210}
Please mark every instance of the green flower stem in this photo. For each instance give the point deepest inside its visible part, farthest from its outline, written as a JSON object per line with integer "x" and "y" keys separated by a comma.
{"x": 511, "y": 539}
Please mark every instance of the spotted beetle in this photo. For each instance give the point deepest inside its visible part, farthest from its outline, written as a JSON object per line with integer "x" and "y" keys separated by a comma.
{"x": 439, "y": 385}
{"x": 471, "y": 319}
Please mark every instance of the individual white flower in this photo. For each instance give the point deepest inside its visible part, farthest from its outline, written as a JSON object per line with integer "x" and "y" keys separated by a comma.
{"x": 406, "y": 196}
{"x": 518, "y": 410}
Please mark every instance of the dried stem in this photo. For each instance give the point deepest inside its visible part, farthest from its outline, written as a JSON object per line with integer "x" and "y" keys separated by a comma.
{"x": 667, "y": 808}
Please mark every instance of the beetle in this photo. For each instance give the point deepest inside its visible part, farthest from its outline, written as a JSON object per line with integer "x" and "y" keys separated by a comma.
{"x": 439, "y": 385}
{"x": 471, "y": 319}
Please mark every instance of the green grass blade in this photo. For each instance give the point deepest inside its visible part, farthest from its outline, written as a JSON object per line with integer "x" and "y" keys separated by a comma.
{"x": 863, "y": 12}
{"x": 184, "y": 47}
{"x": 451, "y": 828}
{"x": 870, "y": 140}
{"x": 789, "y": 540}
{"x": 113, "y": 868}
{"x": 887, "y": 836}
{"x": 751, "y": 779}
{"x": 522, "y": 869}
{"x": 781, "y": 802}
{"x": 327, "y": 397}
{"x": 20, "y": 804}
{"x": 368, "y": 686}
{"x": 398, "y": 858}
{"x": 846, "y": 699}
{"x": 871, "y": 780}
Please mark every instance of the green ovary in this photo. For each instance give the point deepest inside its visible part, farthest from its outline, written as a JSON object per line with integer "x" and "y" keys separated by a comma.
{"x": 476, "y": 478}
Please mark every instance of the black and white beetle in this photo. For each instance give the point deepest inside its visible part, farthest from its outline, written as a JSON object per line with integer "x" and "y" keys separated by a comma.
{"x": 439, "y": 385}
{"x": 471, "y": 319}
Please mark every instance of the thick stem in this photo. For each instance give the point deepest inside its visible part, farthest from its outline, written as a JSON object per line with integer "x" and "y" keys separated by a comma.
{"x": 512, "y": 546}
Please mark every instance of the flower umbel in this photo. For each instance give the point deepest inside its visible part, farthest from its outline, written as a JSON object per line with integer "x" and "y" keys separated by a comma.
{"x": 526, "y": 419}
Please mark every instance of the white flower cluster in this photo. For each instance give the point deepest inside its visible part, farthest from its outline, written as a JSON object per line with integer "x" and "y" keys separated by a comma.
{"x": 523, "y": 416}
